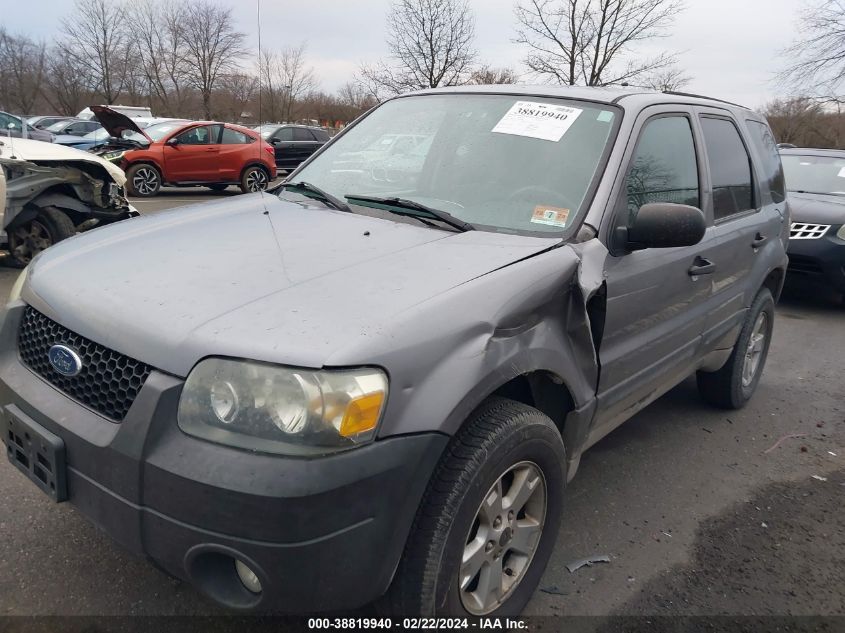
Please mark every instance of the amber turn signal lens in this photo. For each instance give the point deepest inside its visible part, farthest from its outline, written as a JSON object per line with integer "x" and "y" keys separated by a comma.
{"x": 362, "y": 414}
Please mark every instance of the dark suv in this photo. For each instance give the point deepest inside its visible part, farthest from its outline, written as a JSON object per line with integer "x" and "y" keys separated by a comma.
{"x": 386, "y": 395}
{"x": 293, "y": 144}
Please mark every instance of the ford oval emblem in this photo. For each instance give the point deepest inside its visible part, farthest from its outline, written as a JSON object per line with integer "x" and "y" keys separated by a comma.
{"x": 64, "y": 360}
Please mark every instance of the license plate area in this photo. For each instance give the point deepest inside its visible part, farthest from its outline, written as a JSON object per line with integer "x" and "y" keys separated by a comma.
{"x": 36, "y": 452}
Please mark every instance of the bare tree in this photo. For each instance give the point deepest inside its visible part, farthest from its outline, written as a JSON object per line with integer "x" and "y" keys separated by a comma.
{"x": 22, "y": 71}
{"x": 590, "y": 42}
{"x": 66, "y": 89}
{"x": 212, "y": 47}
{"x": 235, "y": 93}
{"x": 355, "y": 95}
{"x": 96, "y": 37}
{"x": 285, "y": 78}
{"x": 669, "y": 79}
{"x": 816, "y": 60}
{"x": 160, "y": 46}
{"x": 431, "y": 45}
{"x": 487, "y": 75}
{"x": 802, "y": 121}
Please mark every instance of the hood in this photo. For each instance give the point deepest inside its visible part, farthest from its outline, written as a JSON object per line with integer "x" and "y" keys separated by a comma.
{"x": 256, "y": 277}
{"x": 116, "y": 123}
{"x": 51, "y": 153}
{"x": 817, "y": 208}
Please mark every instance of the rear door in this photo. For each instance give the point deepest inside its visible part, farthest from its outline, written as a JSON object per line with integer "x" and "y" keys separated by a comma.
{"x": 733, "y": 242}
{"x": 194, "y": 156}
{"x": 234, "y": 152}
{"x": 655, "y": 306}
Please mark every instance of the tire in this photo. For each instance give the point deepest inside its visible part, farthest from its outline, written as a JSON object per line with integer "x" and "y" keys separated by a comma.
{"x": 503, "y": 441}
{"x": 218, "y": 187}
{"x": 26, "y": 240}
{"x": 254, "y": 179}
{"x": 732, "y": 386}
{"x": 143, "y": 180}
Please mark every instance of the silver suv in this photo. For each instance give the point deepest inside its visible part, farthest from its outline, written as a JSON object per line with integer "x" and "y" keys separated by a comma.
{"x": 374, "y": 382}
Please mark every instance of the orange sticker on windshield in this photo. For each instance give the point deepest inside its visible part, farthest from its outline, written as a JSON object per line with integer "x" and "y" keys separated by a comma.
{"x": 552, "y": 216}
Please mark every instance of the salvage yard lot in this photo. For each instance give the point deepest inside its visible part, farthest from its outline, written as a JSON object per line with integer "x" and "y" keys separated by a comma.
{"x": 697, "y": 515}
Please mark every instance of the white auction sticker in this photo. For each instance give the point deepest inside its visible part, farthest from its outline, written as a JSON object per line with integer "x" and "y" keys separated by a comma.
{"x": 537, "y": 120}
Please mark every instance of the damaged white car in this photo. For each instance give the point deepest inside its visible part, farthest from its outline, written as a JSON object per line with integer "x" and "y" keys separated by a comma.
{"x": 50, "y": 192}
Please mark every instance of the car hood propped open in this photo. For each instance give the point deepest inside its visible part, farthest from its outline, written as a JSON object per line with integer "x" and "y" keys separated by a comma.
{"x": 116, "y": 123}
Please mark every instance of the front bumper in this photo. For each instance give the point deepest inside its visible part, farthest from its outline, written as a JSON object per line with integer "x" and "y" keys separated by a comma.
{"x": 321, "y": 534}
{"x": 819, "y": 260}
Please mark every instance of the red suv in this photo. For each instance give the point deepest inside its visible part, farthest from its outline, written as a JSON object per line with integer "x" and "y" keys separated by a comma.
{"x": 185, "y": 153}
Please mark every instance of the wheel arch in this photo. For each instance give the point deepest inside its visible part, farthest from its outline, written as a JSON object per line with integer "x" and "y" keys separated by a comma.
{"x": 254, "y": 163}
{"x": 774, "y": 282}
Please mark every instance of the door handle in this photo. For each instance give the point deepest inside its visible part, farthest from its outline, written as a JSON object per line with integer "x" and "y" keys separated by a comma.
{"x": 758, "y": 240}
{"x": 211, "y": 149}
{"x": 701, "y": 266}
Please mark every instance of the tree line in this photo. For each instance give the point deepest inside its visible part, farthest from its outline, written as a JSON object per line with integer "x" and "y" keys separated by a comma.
{"x": 188, "y": 59}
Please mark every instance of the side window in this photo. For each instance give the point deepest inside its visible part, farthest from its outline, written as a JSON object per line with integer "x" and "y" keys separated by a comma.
{"x": 284, "y": 134}
{"x": 233, "y": 137}
{"x": 321, "y": 135}
{"x": 301, "y": 134}
{"x": 730, "y": 168}
{"x": 764, "y": 142}
{"x": 199, "y": 135}
{"x": 664, "y": 168}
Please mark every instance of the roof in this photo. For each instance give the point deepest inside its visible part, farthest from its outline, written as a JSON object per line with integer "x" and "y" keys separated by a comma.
{"x": 622, "y": 95}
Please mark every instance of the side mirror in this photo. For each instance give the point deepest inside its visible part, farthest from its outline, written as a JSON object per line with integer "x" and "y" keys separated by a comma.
{"x": 173, "y": 141}
{"x": 664, "y": 225}
{"x": 275, "y": 141}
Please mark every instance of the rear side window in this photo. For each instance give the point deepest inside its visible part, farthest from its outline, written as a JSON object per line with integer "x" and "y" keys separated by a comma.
{"x": 730, "y": 168}
{"x": 301, "y": 134}
{"x": 284, "y": 134}
{"x": 764, "y": 142}
{"x": 233, "y": 137}
{"x": 664, "y": 168}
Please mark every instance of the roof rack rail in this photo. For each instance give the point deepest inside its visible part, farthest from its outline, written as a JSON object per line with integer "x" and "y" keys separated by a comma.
{"x": 691, "y": 94}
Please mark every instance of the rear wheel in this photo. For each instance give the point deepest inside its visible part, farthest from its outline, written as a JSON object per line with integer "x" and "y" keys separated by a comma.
{"x": 254, "y": 179}
{"x": 489, "y": 518}
{"x": 143, "y": 180}
{"x": 50, "y": 226}
{"x": 733, "y": 385}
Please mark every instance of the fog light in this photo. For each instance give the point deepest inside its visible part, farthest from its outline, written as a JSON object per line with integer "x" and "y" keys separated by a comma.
{"x": 248, "y": 577}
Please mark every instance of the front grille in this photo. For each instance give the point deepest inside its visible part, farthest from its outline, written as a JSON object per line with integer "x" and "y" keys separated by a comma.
{"x": 108, "y": 382}
{"x": 803, "y": 231}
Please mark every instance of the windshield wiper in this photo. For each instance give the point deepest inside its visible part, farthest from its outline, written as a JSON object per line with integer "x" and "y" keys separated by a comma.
{"x": 817, "y": 193}
{"x": 318, "y": 194}
{"x": 400, "y": 206}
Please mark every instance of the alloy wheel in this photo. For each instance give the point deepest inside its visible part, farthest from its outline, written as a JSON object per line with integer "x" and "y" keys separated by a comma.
{"x": 145, "y": 181}
{"x": 503, "y": 538}
{"x": 30, "y": 239}
{"x": 256, "y": 180}
{"x": 754, "y": 351}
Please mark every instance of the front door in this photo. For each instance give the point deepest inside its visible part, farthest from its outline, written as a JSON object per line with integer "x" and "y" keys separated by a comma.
{"x": 193, "y": 158}
{"x": 655, "y": 302}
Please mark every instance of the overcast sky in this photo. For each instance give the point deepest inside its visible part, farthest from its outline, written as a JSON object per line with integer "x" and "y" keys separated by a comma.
{"x": 729, "y": 47}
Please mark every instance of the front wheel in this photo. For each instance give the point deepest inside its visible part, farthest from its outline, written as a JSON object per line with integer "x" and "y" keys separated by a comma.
{"x": 732, "y": 386}
{"x": 254, "y": 179}
{"x": 488, "y": 520}
{"x": 143, "y": 180}
{"x": 27, "y": 240}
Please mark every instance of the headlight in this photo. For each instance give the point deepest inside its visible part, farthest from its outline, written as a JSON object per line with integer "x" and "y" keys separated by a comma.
{"x": 113, "y": 157}
{"x": 283, "y": 410}
{"x": 841, "y": 232}
{"x": 15, "y": 294}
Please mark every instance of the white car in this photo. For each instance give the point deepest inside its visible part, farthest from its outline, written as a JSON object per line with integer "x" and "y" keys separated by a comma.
{"x": 49, "y": 192}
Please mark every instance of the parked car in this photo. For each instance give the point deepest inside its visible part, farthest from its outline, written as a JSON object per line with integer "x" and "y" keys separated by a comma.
{"x": 43, "y": 122}
{"x": 293, "y": 144}
{"x": 344, "y": 390}
{"x": 206, "y": 153}
{"x": 14, "y": 126}
{"x": 101, "y": 136}
{"x": 74, "y": 127}
{"x": 51, "y": 192}
{"x": 815, "y": 179}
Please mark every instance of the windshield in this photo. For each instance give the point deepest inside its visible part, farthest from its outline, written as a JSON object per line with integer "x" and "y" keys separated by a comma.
{"x": 507, "y": 163}
{"x": 814, "y": 174}
{"x": 58, "y": 126}
{"x": 157, "y": 131}
{"x": 97, "y": 135}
